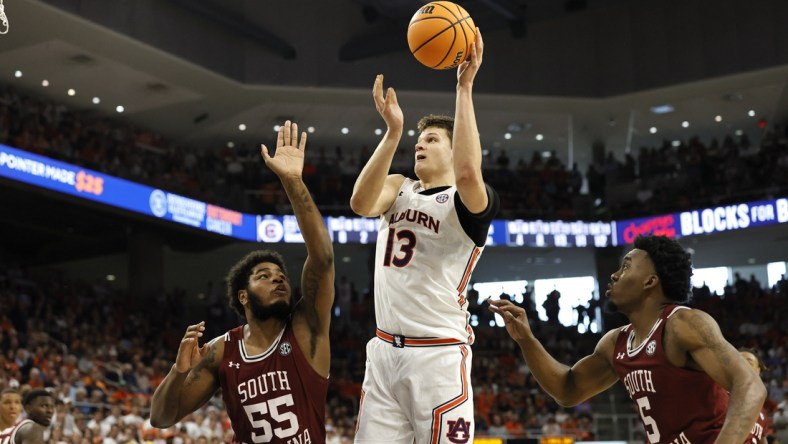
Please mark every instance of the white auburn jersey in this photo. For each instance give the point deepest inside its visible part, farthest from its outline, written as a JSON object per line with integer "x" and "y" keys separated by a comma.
{"x": 423, "y": 263}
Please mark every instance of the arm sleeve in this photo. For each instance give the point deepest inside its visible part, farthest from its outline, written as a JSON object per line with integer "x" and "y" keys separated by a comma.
{"x": 476, "y": 226}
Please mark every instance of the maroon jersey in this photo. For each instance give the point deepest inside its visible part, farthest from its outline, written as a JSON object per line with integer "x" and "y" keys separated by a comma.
{"x": 676, "y": 405}
{"x": 756, "y": 434}
{"x": 273, "y": 397}
{"x": 7, "y": 436}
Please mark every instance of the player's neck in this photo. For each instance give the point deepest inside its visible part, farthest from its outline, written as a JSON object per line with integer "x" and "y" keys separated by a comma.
{"x": 643, "y": 321}
{"x": 261, "y": 334}
{"x": 445, "y": 180}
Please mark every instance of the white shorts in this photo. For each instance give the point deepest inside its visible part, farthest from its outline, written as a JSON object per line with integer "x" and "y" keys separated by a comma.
{"x": 416, "y": 393}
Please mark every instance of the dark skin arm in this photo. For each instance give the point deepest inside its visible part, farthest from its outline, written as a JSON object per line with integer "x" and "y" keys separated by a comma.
{"x": 30, "y": 434}
{"x": 567, "y": 385}
{"x": 693, "y": 340}
{"x": 313, "y": 316}
{"x": 191, "y": 381}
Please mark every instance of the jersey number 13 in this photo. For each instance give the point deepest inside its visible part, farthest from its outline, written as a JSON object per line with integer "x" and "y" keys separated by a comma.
{"x": 406, "y": 241}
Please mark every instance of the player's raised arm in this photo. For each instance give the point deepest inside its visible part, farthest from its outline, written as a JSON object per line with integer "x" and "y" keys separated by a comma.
{"x": 317, "y": 278}
{"x": 567, "y": 385}
{"x": 467, "y": 156}
{"x": 696, "y": 333}
{"x": 191, "y": 381}
{"x": 375, "y": 190}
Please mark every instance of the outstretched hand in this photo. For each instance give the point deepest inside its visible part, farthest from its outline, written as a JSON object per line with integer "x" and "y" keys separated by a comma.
{"x": 189, "y": 352}
{"x": 289, "y": 157}
{"x": 514, "y": 318}
{"x": 467, "y": 70}
{"x": 387, "y": 106}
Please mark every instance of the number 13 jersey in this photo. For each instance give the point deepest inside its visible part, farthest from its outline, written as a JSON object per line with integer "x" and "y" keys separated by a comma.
{"x": 427, "y": 247}
{"x": 273, "y": 397}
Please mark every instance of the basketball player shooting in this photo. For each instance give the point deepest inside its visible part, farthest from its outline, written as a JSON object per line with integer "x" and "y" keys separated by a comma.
{"x": 674, "y": 362}
{"x": 273, "y": 371}
{"x": 432, "y": 232}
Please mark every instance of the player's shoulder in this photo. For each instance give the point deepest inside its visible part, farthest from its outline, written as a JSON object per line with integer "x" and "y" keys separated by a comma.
{"x": 691, "y": 328}
{"x": 28, "y": 429}
{"x": 397, "y": 180}
{"x": 685, "y": 317}
{"x": 608, "y": 341}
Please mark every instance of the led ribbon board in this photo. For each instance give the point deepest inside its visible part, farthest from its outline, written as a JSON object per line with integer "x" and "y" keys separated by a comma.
{"x": 84, "y": 183}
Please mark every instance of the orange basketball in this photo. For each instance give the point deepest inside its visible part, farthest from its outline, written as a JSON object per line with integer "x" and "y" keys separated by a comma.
{"x": 440, "y": 35}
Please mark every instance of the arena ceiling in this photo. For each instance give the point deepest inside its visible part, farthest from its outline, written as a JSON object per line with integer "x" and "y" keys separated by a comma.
{"x": 196, "y": 70}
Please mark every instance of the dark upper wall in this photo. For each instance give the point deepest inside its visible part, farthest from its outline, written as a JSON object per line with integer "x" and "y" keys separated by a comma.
{"x": 611, "y": 48}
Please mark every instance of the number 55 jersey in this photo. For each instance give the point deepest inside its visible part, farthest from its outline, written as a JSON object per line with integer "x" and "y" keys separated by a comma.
{"x": 275, "y": 396}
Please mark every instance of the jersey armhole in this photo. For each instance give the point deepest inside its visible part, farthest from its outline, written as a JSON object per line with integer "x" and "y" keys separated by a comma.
{"x": 476, "y": 226}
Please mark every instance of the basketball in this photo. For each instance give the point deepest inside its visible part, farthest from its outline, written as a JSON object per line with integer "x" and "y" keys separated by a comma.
{"x": 440, "y": 35}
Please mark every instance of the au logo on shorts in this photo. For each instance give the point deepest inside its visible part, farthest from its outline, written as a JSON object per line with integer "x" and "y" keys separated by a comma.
{"x": 459, "y": 431}
{"x": 651, "y": 348}
{"x": 285, "y": 349}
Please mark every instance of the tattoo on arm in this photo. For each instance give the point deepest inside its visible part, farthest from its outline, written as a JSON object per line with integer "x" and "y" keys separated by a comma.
{"x": 299, "y": 195}
{"x": 310, "y": 289}
{"x": 206, "y": 361}
{"x": 710, "y": 337}
{"x": 306, "y": 199}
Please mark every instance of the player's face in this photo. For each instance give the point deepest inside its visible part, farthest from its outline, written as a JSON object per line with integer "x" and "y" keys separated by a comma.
{"x": 41, "y": 409}
{"x": 752, "y": 360}
{"x": 268, "y": 293}
{"x": 627, "y": 283}
{"x": 10, "y": 407}
{"x": 433, "y": 153}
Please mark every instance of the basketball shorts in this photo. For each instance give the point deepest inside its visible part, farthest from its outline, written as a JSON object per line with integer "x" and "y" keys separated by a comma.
{"x": 415, "y": 392}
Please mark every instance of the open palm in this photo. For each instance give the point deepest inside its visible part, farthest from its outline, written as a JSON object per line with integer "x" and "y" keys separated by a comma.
{"x": 289, "y": 157}
{"x": 387, "y": 104}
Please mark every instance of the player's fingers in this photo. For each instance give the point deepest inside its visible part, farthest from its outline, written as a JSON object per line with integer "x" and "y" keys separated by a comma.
{"x": 196, "y": 326}
{"x": 510, "y": 311}
{"x": 293, "y": 134}
{"x": 280, "y": 137}
{"x": 377, "y": 89}
{"x": 186, "y": 344}
{"x": 286, "y": 133}
{"x": 391, "y": 96}
{"x": 196, "y": 354}
{"x": 302, "y": 143}
{"x": 378, "y": 85}
{"x": 264, "y": 153}
{"x": 499, "y": 302}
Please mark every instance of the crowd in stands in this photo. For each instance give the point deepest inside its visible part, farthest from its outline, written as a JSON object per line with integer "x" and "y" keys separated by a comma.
{"x": 103, "y": 352}
{"x": 668, "y": 178}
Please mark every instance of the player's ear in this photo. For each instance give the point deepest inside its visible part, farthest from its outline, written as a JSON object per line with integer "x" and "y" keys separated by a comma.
{"x": 243, "y": 297}
{"x": 651, "y": 281}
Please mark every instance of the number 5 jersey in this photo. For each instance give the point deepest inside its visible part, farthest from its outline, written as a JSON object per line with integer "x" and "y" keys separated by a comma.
{"x": 676, "y": 405}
